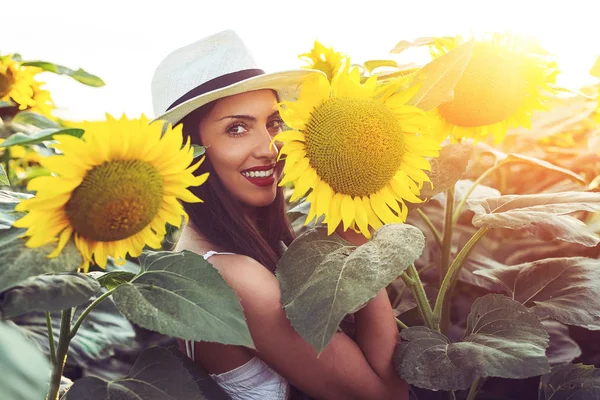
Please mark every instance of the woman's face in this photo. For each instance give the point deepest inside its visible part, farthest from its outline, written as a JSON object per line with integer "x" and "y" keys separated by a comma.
{"x": 237, "y": 133}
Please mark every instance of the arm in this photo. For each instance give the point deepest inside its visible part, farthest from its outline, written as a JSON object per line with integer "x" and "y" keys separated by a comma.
{"x": 343, "y": 370}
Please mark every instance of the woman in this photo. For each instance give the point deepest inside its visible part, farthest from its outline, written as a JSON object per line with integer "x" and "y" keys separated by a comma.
{"x": 228, "y": 105}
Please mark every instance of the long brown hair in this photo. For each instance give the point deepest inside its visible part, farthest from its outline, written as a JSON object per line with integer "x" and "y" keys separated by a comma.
{"x": 222, "y": 220}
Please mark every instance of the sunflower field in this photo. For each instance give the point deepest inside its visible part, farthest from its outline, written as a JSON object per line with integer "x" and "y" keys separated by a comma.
{"x": 473, "y": 178}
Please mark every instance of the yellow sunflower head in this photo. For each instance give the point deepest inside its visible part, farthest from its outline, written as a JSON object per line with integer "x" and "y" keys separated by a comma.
{"x": 324, "y": 59}
{"x": 506, "y": 79}
{"x": 113, "y": 190}
{"x": 16, "y": 82}
{"x": 358, "y": 148}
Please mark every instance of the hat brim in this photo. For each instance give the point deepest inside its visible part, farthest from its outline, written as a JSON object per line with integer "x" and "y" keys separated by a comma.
{"x": 286, "y": 83}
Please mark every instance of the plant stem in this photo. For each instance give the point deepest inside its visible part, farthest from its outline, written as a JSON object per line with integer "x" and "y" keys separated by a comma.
{"x": 51, "y": 338}
{"x": 401, "y": 324}
{"x": 447, "y": 239}
{"x": 445, "y": 289}
{"x": 432, "y": 228}
{"x": 463, "y": 201}
{"x": 87, "y": 311}
{"x": 61, "y": 355}
{"x": 473, "y": 390}
{"x": 413, "y": 282}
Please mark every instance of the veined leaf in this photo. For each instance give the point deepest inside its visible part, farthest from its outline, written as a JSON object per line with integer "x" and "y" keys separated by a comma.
{"x": 48, "y": 292}
{"x": 405, "y": 44}
{"x": 8, "y": 202}
{"x": 562, "y": 349}
{"x": 39, "y": 137}
{"x": 79, "y": 75}
{"x": 543, "y": 215}
{"x": 156, "y": 375}
{"x": 25, "y": 370}
{"x": 503, "y": 339}
{"x": 35, "y": 119}
{"x": 323, "y": 278}
{"x": 440, "y": 76}
{"x": 111, "y": 280}
{"x": 3, "y": 177}
{"x": 566, "y": 289}
{"x": 571, "y": 382}
{"x": 180, "y": 294}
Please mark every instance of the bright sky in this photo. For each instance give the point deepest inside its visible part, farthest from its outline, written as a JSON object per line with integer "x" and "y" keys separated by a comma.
{"x": 122, "y": 41}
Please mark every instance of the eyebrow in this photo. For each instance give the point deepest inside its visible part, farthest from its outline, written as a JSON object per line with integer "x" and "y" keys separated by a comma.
{"x": 248, "y": 117}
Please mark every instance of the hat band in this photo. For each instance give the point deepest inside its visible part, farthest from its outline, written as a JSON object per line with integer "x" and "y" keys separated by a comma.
{"x": 217, "y": 83}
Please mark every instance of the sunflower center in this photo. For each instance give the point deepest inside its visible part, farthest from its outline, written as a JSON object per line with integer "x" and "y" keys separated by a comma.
{"x": 116, "y": 200}
{"x": 355, "y": 145}
{"x": 492, "y": 88}
{"x": 6, "y": 81}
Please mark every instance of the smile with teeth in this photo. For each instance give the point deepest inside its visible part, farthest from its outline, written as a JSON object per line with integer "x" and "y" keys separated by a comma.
{"x": 258, "y": 174}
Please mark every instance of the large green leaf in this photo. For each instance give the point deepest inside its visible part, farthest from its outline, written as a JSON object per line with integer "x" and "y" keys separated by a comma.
{"x": 503, "y": 339}
{"x": 446, "y": 169}
{"x": 24, "y": 369}
{"x": 182, "y": 295}
{"x": 103, "y": 332}
{"x": 20, "y": 262}
{"x": 35, "y": 119}
{"x": 79, "y": 75}
{"x": 3, "y": 177}
{"x": 48, "y": 292}
{"x": 156, "y": 375}
{"x": 440, "y": 76}
{"x": 39, "y": 137}
{"x": 571, "y": 382}
{"x": 543, "y": 215}
{"x": 566, "y": 289}
{"x": 562, "y": 348}
{"x": 111, "y": 280}
{"x": 8, "y": 202}
{"x": 323, "y": 278}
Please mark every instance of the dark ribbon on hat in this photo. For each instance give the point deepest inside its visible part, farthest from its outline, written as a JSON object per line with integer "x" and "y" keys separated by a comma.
{"x": 217, "y": 83}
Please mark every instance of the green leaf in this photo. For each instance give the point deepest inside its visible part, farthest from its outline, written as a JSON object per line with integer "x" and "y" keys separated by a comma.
{"x": 47, "y": 293}
{"x": 446, "y": 170}
{"x": 7, "y": 104}
{"x": 543, "y": 215}
{"x": 198, "y": 150}
{"x": 562, "y": 348}
{"x": 103, "y": 332}
{"x": 571, "y": 382}
{"x": 566, "y": 289}
{"x": 405, "y": 44}
{"x": 39, "y": 137}
{"x": 440, "y": 76}
{"x": 503, "y": 339}
{"x": 35, "y": 119}
{"x": 8, "y": 202}
{"x": 3, "y": 177}
{"x": 323, "y": 278}
{"x": 25, "y": 370}
{"x": 20, "y": 262}
{"x": 156, "y": 375}
{"x": 79, "y": 75}
{"x": 180, "y": 294}
{"x": 129, "y": 266}
{"x": 111, "y": 280}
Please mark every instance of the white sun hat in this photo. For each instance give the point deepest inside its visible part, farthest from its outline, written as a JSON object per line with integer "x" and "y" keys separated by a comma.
{"x": 214, "y": 67}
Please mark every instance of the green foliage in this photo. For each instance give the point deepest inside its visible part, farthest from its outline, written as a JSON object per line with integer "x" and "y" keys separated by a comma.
{"x": 35, "y": 119}
{"x": 182, "y": 295}
{"x": 24, "y": 369}
{"x": 79, "y": 75}
{"x": 3, "y": 177}
{"x": 323, "y": 278}
{"x": 571, "y": 382}
{"x": 39, "y": 137}
{"x": 503, "y": 339}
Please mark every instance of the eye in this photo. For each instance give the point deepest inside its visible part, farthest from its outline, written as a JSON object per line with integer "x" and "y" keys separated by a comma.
{"x": 275, "y": 125}
{"x": 237, "y": 129}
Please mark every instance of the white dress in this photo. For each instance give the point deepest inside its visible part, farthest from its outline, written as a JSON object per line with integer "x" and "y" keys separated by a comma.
{"x": 254, "y": 380}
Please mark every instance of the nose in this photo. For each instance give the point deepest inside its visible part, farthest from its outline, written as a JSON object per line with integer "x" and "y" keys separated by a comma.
{"x": 264, "y": 147}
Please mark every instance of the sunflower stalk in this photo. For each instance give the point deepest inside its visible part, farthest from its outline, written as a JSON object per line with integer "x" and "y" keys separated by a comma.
{"x": 88, "y": 309}
{"x": 51, "y": 338}
{"x": 61, "y": 355}
{"x": 474, "y": 389}
{"x": 432, "y": 228}
{"x": 413, "y": 282}
{"x": 445, "y": 292}
{"x": 447, "y": 239}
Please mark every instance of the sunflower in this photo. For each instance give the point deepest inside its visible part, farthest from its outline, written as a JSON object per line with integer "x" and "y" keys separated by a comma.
{"x": 324, "y": 59}
{"x": 506, "y": 79}
{"x": 360, "y": 149}
{"x": 43, "y": 101}
{"x": 113, "y": 190}
{"x": 16, "y": 82}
